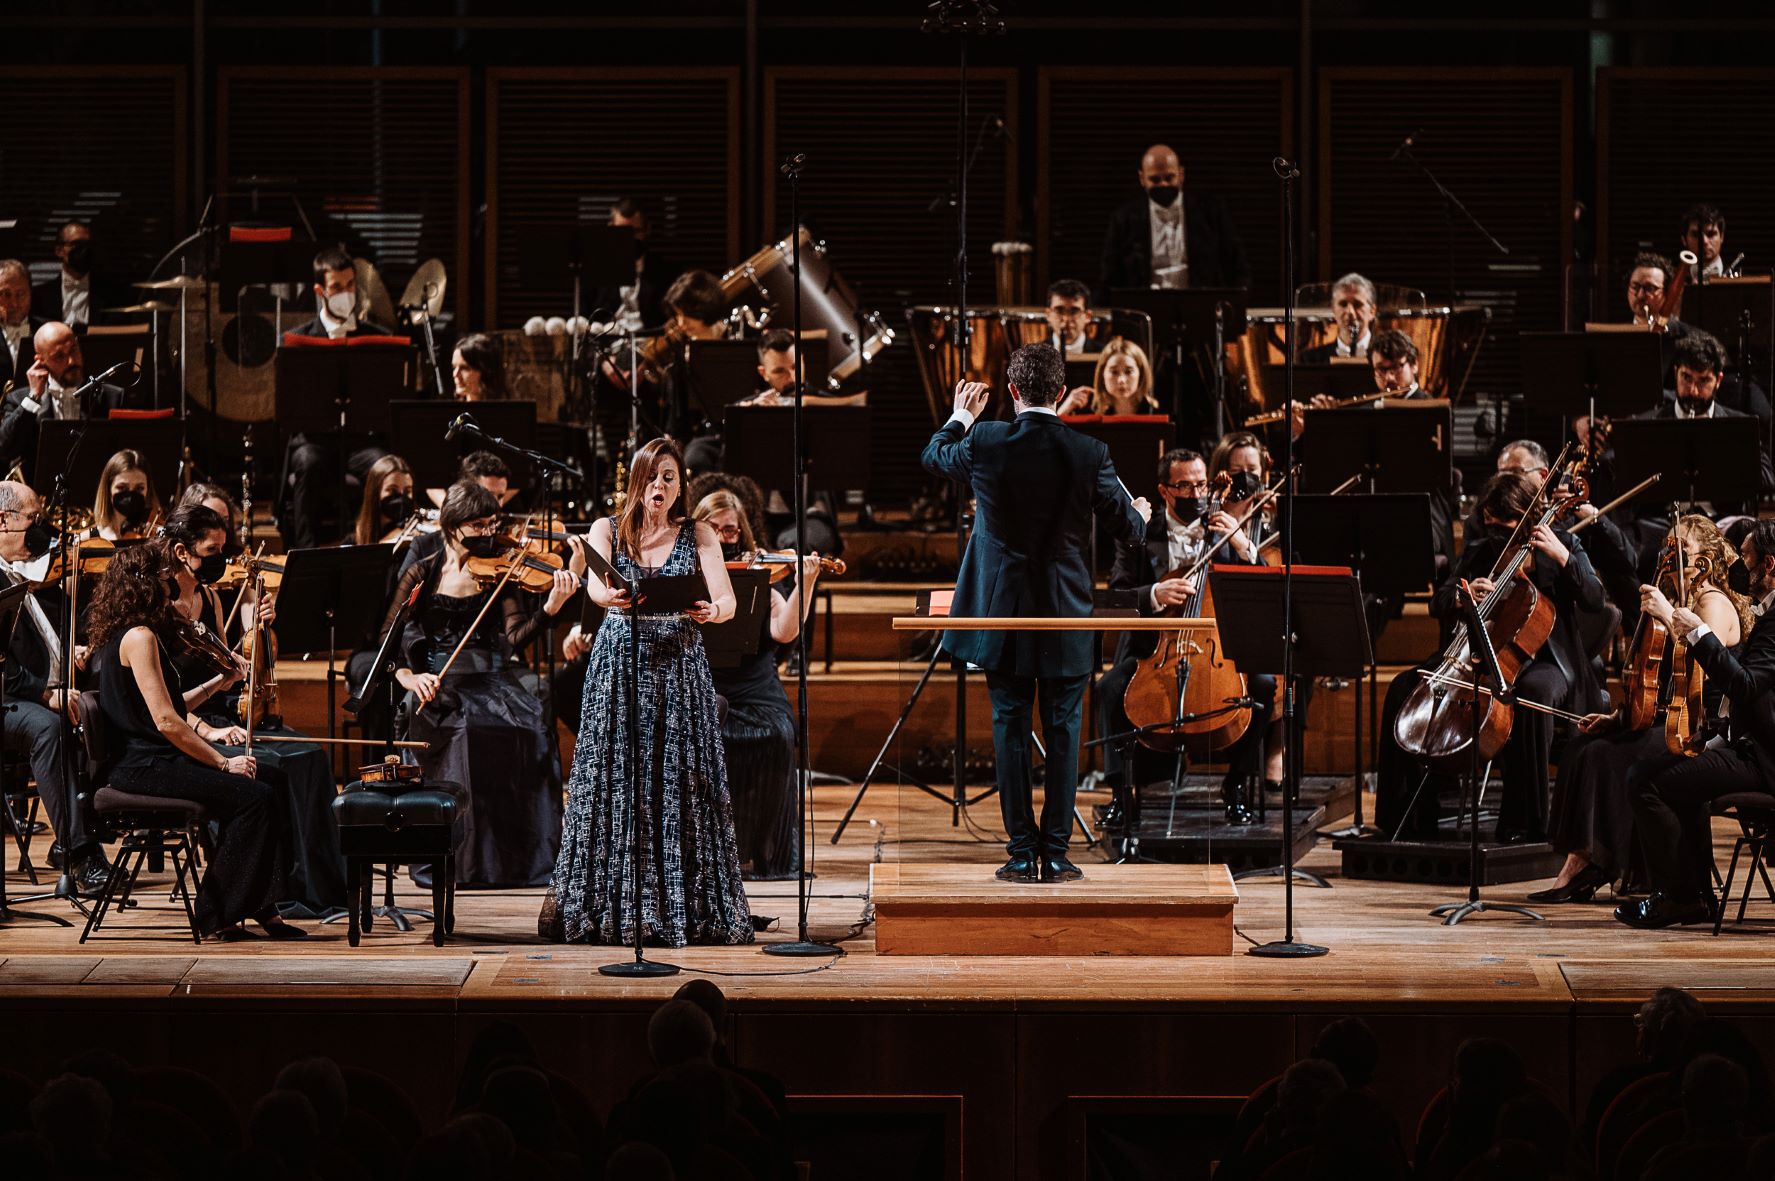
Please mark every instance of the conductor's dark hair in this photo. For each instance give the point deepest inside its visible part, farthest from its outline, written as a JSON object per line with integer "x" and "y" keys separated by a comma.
{"x": 479, "y": 465}
{"x": 1037, "y": 373}
{"x": 697, "y": 294}
{"x": 1701, "y": 216}
{"x": 1701, "y": 352}
{"x": 777, "y": 340}
{"x": 1069, "y": 289}
{"x": 1176, "y": 455}
{"x": 1649, "y": 258}
{"x": 187, "y": 524}
{"x": 1394, "y": 347}
{"x": 465, "y": 501}
{"x": 331, "y": 258}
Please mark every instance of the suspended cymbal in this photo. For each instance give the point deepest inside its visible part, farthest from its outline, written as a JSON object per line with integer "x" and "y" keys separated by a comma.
{"x": 177, "y": 282}
{"x": 373, "y": 292}
{"x": 151, "y": 305}
{"x": 426, "y": 288}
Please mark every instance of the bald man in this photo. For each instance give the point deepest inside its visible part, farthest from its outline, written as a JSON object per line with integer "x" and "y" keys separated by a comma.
{"x": 51, "y": 390}
{"x": 1169, "y": 237}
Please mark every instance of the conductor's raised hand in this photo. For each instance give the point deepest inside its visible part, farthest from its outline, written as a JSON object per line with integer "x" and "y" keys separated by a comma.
{"x": 971, "y": 397}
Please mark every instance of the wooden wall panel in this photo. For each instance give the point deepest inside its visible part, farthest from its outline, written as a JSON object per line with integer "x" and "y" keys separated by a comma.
{"x": 562, "y": 144}
{"x": 1093, "y": 123}
{"x": 1501, "y": 141}
{"x": 378, "y": 157}
{"x": 104, "y": 144}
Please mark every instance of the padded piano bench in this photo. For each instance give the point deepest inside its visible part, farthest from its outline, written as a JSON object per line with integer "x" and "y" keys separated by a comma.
{"x": 390, "y": 824}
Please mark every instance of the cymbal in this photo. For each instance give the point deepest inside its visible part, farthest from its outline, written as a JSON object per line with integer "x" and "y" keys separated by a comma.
{"x": 374, "y": 292}
{"x": 152, "y": 305}
{"x": 426, "y": 288}
{"x": 176, "y": 283}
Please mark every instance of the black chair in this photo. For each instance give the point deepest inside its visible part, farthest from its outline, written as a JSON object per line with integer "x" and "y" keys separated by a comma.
{"x": 389, "y": 824}
{"x": 21, "y": 803}
{"x": 141, "y": 826}
{"x": 1754, "y": 812}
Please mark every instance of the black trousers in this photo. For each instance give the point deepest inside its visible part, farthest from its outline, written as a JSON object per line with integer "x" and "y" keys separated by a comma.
{"x": 29, "y": 728}
{"x": 1015, "y": 699}
{"x": 312, "y": 478}
{"x": 1670, "y": 796}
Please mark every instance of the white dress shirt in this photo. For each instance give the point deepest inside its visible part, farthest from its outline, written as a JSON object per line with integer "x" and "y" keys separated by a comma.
{"x": 76, "y": 300}
{"x": 1361, "y": 348}
{"x": 1078, "y": 344}
{"x": 59, "y": 401}
{"x": 1686, "y": 414}
{"x": 337, "y": 328}
{"x": 1170, "y": 257}
{"x": 15, "y": 336}
{"x": 52, "y": 642}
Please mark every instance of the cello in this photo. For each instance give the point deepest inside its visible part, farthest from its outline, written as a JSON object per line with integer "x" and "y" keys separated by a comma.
{"x": 1642, "y": 677}
{"x": 1436, "y": 725}
{"x": 1685, "y": 712}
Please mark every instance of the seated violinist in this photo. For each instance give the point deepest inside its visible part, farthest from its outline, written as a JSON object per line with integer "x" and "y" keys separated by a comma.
{"x": 126, "y": 506}
{"x": 1122, "y": 384}
{"x": 477, "y": 467}
{"x": 484, "y": 725}
{"x": 1153, "y": 568}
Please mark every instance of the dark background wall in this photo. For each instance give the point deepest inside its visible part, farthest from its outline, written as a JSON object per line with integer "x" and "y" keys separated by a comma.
{"x": 1576, "y": 130}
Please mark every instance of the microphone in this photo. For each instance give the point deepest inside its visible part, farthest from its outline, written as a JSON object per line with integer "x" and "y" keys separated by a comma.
{"x": 1406, "y": 144}
{"x": 108, "y": 374}
{"x": 462, "y": 424}
{"x": 1285, "y": 168}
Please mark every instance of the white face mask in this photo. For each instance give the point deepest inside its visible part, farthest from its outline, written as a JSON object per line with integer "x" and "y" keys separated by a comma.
{"x": 341, "y": 304}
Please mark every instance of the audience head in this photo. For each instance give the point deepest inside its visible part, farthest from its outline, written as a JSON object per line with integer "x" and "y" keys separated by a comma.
{"x": 638, "y": 1161}
{"x": 1646, "y": 281}
{"x": 1532, "y": 1118}
{"x": 73, "y": 246}
{"x": 696, "y": 301}
{"x": 1036, "y": 374}
{"x": 323, "y": 1083}
{"x": 283, "y": 1127}
{"x": 489, "y": 471}
{"x": 1703, "y": 231}
{"x": 1161, "y": 175}
{"x": 680, "y": 1032}
{"x": 1350, "y": 1045}
{"x": 1123, "y": 381}
{"x": 1304, "y": 1088}
{"x": 15, "y": 292}
{"x": 1069, "y": 309}
{"x": 1716, "y": 1096}
{"x": 478, "y": 369}
{"x": 387, "y": 501}
{"x": 58, "y": 347}
{"x": 1393, "y": 357}
{"x": 126, "y": 497}
{"x": 72, "y": 1114}
{"x": 776, "y": 360}
{"x": 335, "y": 283}
{"x": 1486, "y": 1071}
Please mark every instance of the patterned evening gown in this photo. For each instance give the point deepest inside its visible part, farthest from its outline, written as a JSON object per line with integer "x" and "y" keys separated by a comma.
{"x": 691, "y": 890}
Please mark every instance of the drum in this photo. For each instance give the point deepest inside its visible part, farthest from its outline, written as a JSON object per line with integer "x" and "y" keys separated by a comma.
{"x": 827, "y": 302}
{"x": 536, "y": 370}
{"x": 934, "y": 330}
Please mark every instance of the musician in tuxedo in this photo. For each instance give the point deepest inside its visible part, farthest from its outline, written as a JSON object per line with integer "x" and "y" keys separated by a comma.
{"x": 1169, "y": 236}
{"x": 1174, "y": 539}
{"x": 52, "y": 389}
{"x": 17, "y": 324}
{"x": 1703, "y": 230}
{"x": 1038, "y": 486}
{"x": 1699, "y": 370}
{"x": 1353, "y": 304}
{"x": 77, "y": 292}
{"x": 1671, "y": 794}
{"x": 37, "y": 694}
{"x": 311, "y": 462}
{"x": 1647, "y": 281}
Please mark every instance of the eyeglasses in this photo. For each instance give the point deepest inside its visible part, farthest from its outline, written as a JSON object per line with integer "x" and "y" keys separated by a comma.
{"x": 1645, "y": 288}
{"x": 483, "y": 526}
{"x": 1188, "y": 486}
{"x": 728, "y": 532}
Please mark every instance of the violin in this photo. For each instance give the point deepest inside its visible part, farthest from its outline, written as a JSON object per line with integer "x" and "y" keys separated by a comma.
{"x": 780, "y": 565}
{"x": 87, "y": 556}
{"x": 423, "y": 521}
{"x": 243, "y": 570}
{"x": 190, "y": 638}
{"x": 1436, "y": 723}
{"x": 520, "y": 565}
{"x": 258, "y": 646}
{"x": 1642, "y": 677}
{"x": 1685, "y": 713}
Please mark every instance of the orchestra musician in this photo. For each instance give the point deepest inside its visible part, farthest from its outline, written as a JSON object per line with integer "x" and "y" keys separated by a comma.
{"x": 1038, "y": 485}
{"x": 483, "y": 468}
{"x": 17, "y": 325}
{"x": 37, "y": 693}
{"x": 478, "y": 369}
{"x": 1670, "y": 793}
{"x": 690, "y": 889}
{"x": 1354, "y": 304}
{"x": 134, "y": 626}
{"x": 1592, "y": 816}
{"x": 218, "y": 500}
{"x": 1699, "y": 362}
{"x": 483, "y": 723}
{"x": 758, "y": 730}
{"x": 1168, "y": 236}
{"x": 1069, "y": 318}
{"x": 637, "y": 306}
{"x": 74, "y": 294}
{"x": 388, "y": 501}
{"x": 1122, "y": 384}
{"x": 1703, "y": 231}
{"x": 51, "y": 389}
{"x": 126, "y": 503}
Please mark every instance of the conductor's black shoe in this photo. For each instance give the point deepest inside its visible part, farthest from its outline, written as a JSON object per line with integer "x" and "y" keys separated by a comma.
{"x": 1020, "y": 868}
{"x": 1661, "y": 910}
{"x": 1059, "y": 869}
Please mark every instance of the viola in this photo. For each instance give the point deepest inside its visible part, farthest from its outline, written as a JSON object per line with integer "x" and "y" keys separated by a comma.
{"x": 1685, "y": 713}
{"x": 87, "y": 556}
{"x": 1642, "y": 677}
{"x": 525, "y": 566}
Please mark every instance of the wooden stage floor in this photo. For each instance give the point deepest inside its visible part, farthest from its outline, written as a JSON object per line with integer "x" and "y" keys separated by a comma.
{"x": 909, "y": 1030}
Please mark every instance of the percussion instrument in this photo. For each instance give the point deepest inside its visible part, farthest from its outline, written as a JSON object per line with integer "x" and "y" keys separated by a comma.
{"x": 827, "y": 302}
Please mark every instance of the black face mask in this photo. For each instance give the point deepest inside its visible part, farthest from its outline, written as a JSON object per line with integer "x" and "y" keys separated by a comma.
{"x": 730, "y": 551}
{"x": 481, "y": 547}
{"x": 132, "y": 506}
{"x": 1190, "y": 509}
{"x": 80, "y": 257}
{"x": 397, "y": 507}
{"x": 38, "y": 538}
{"x": 1164, "y": 196}
{"x": 1245, "y": 485}
{"x": 209, "y": 570}
{"x": 1738, "y": 578}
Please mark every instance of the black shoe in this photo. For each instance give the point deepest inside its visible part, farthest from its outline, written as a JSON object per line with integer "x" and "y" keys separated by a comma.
{"x": 1661, "y": 910}
{"x": 55, "y": 856}
{"x": 1020, "y": 868}
{"x": 1058, "y": 869}
{"x": 1238, "y": 813}
{"x": 90, "y": 876}
{"x": 1582, "y": 887}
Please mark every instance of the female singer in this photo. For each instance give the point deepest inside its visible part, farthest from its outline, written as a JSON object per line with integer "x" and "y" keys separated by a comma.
{"x": 133, "y": 624}
{"x": 194, "y": 537}
{"x": 388, "y": 501}
{"x": 126, "y": 501}
{"x": 759, "y": 729}
{"x": 1123, "y": 383}
{"x": 485, "y": 727}
{"x": 1592, "y": 816}
{"x": 478, "y": 369}
{"x": 690, "y": 870}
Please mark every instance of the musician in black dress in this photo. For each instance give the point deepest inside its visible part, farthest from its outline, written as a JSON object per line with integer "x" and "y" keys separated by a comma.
{"x": 758, "y": 731}
{"x": 133, "y": 624}
{"x": 484, "y": 720}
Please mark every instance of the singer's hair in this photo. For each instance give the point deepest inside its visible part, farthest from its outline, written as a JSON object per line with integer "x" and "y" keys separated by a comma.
{"x": 1121, "y": 346}
{"x": 368, "y": 528}
{"x": 124, "y": 461}
{"x": 480, "y": 353}
{"x": 331, "y": 258}
{"x": 1356, "y": 282}
{"x": 1069, "y": 289}
{"x": 1174, "y": 456}
{"x": 1699, "y": 217}
{"x": 647, "y": 462}
{"x": 187, "y": 524}
{"x": 1699, "y": 351}
{"x": 465, "y": 501}
{"x": 723, "y": 501}
{"x": 777, "y": 340}
{"x": 697, "y": 295}
{"x": 1648, "y": 258}
{"x": 1393, "y": 346}
{"x": 483, "y": 465}
{"x": 1037, "y": 373}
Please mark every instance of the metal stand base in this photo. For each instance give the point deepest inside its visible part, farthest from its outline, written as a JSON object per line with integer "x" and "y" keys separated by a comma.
{"x": 9, "y": 915}
{"x": 1453, "y": 912}
{"x": 637, "y": 968}
{"x": 397, "y": 916}
{"x": 802, "y": 948}
{"x": 1287, "y": 950}
{"x": 1276, "y": 871}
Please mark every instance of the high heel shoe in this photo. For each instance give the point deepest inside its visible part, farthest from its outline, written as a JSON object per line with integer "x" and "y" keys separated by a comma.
{"x": 1582, "y": 887}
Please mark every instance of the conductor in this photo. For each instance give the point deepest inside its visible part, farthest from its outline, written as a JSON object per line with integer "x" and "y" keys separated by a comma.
{"x": 1037, "y": 484}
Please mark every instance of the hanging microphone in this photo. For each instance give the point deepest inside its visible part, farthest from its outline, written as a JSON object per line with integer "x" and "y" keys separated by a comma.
{"x": 1406, "y": 144}
{"x": 461, "y": 424}
{"x": 1285, "y": 168}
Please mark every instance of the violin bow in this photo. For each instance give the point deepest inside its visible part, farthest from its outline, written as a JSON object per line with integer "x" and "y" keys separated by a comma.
{"x": 510, "y": 569}
{"x": 1268, "y": 495}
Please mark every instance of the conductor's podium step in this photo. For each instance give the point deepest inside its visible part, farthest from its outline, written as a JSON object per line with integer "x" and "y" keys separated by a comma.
{"x": 1151, "y": 910}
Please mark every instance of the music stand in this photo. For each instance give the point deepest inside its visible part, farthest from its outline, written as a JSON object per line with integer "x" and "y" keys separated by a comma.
{"x": 761, "y": 445}
{"x": 1351, "y": 379}
{"x": 342, "y": 386}
{"x": 722, "y": 372}
{"x": 1715, "y": 459}
{"x": 1402, "y": 448}
{"x": 418, "y": 427}
{"x": 729, "y": 643}
{"x": 326, "y": 592}
{"x": 1738, "y": 312}
{"x": 1609, "y": 374}
{"x": 1202, "y": 318}
{"x": 12, "y": 599}
{"x": 253, "y": 263}
{"x": 158, "y": 439}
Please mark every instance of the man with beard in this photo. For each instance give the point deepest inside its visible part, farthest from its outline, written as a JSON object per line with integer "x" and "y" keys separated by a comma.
{"x": 52, "y": 389}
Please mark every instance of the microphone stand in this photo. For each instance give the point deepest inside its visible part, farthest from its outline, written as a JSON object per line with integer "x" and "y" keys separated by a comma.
{"x": 1288, "y": 947}
{"x": 803, "y": 944}
{"x": 1450, "y": 203}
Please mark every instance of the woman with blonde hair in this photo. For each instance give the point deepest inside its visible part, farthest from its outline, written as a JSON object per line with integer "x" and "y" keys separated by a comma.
{"x": 1122, "y": 384}
{"x": 1592, "y": 819}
